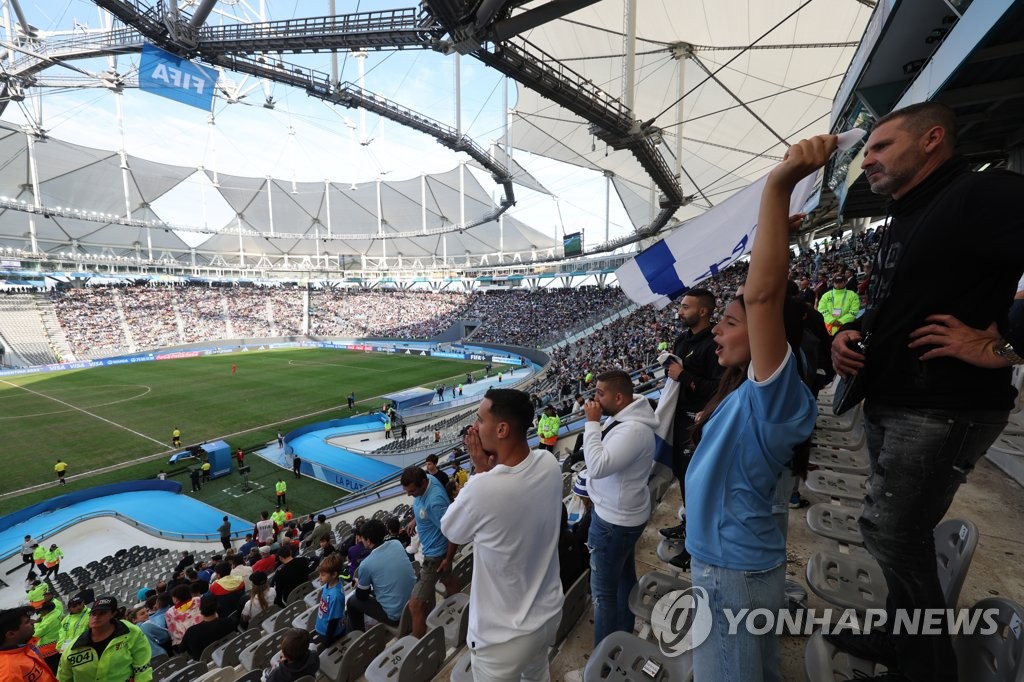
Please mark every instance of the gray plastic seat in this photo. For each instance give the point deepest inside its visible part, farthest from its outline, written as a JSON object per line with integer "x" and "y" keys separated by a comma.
{"x": 845, "y": 422}
{"x": 299, "y": 591}
{"x": 257, "y": 655}
{"x": 856, "y": 581}
{"x": 453, "y": 615}
{"x": 849, "y": 581}
{"x": 189, "y": 673}
{"x": 835, "y": 521}
{"x": 347, "y": 659}
{"x": 462, "y": 574}
{"x": 227, "y": 653}
{"x": 307, "y": 619}
{"x": 284, "y": 617}
{"x": 650, "y": 588}
{"x": 573, "y": 606}
{"x": 840, "y": 459}
{"x": 463, "y": 670}
{"x": 621, "y": 657}
{"x": 825, "y": 663}
{"x": 667, "y": 549}
{"x": 995, "y": 657}
{"x": 404, "y": 626}
{"x": 409, "y": 659}
{"x": 837, "y": 485}
{"x": 171, "y": 666}
{"x": 851, "y": 440}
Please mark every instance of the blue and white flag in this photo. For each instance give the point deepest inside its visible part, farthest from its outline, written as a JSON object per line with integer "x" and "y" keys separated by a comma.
{"x": 706, "y": 245}
{"x": 171, "y": 76}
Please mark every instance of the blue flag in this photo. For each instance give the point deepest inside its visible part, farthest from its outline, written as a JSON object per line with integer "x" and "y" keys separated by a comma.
{"x": 171, "y": 76}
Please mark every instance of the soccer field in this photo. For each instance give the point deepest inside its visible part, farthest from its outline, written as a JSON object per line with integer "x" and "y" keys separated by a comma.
{"x": 110, "y": 415}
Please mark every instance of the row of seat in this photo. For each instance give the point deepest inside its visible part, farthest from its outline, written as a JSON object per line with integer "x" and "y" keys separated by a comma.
{"x": 844, "y": 574}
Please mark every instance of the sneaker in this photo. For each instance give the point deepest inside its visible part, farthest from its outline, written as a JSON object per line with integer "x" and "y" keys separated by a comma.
{"x": 797, "y": 502}
{"x": 875, "y": 646}
{"x": 674, "y": 532}
{"x": 681, "y": 560}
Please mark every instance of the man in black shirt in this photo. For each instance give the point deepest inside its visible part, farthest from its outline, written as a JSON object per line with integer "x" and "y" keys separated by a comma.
{"x": 207, "y": 631}
{"x": 431, "y": 466}
{"x": 293, "y": 572}
{"x": 698, "y": 377}
{"x": 937, "y": 367}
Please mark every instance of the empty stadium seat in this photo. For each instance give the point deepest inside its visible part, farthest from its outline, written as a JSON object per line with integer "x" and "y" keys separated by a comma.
{"x": 836, "y": 484}
{"x": 452, "y": 614}
{"x": 650, "y": 588}
{"x": 346, "y": 660}
{"x": 622, "y": 657}
{"x": 409, "y": 659}
{"x": 226, "y": 655}
{"x": 997, "y": 656}
{"x": 856, "y": 581}
{"x": 835, "y": 521}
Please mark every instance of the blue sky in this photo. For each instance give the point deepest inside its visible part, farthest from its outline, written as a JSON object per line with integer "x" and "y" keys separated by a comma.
{"x": 302, "y": 138}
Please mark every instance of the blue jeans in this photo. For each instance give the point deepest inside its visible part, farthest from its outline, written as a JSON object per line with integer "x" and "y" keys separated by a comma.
{"x": 919, "y": 458}
{"x": 743, "y": 656}
{"x": 612, "y": 574}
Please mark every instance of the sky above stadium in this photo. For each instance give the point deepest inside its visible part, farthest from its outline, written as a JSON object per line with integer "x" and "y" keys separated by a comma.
{"x": 300, "y": 138}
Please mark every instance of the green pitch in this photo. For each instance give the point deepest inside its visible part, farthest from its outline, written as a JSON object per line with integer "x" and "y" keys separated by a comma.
{"x": 122, "y": 416}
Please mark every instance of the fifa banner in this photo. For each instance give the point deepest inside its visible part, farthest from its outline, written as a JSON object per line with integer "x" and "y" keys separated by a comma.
{"x": 711, "y": 242}
{"x": 168, "y": 75}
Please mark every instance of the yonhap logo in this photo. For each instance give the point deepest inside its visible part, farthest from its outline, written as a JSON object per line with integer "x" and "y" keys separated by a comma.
{"x": 681, "y": 620}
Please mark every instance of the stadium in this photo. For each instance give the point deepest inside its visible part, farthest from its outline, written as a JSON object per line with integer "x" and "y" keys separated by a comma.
{"x": 256, "y": 257}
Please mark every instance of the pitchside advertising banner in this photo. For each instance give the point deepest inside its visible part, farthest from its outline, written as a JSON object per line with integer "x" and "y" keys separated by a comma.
{"x": 170, "y": 76}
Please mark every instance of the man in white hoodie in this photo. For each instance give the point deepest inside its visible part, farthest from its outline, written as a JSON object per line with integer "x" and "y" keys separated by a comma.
{"x": 619, "y": 458}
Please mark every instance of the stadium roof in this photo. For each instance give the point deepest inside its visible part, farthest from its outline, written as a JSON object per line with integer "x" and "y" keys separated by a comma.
{"x": 718, "y": 90}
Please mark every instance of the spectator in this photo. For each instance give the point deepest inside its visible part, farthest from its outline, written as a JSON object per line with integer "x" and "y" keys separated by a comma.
{"x": 240, "y": 569}
{"x": 619, "y": 459}
{"x": 323, "y": 528}
{"x": 429, "y": 503}
{"x": 330, "y": 616}
{"x": 292, "y": 572}
{"x": 158, "y": 637}
{"x": 208, "y": 630}
{"x": 158, "y": 612}
{"x": 385, "y": 580}
{"x": 510, "y": 511}
{"x": 936, "y": 376}
{"x": 123, "y": 650}
{"x": 260, "y": 600}
{"x": 696, "y": 370}
{"x": 746, "y": 435}
{"x": 296, "y": 659}
{"x": 183, "y": 614}
{"x": 267, "y": 561}
{"x": 229, "y": 591}
{"x": 430, "y": 464}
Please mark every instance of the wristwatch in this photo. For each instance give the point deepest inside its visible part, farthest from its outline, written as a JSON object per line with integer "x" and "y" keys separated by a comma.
{"x": 1006, "y": 351}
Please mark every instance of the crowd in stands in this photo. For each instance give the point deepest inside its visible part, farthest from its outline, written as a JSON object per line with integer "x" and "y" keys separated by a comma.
{"x": 400, "y": 314}
{"x": 536, "y": 318}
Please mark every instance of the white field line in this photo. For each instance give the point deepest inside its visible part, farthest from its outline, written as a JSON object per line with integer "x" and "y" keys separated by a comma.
{"x": 164, "y": 453}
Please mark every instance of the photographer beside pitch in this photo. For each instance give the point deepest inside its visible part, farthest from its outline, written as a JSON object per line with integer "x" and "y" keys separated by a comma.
{"x": 936, "y": 371}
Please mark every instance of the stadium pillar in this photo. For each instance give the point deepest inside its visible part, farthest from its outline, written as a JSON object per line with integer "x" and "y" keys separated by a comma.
{"x": 30, "y": 134}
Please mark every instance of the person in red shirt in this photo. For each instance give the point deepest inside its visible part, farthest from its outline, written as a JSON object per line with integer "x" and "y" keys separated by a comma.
{"x": 240, "y": 456}
{"x": 267, "y": 562}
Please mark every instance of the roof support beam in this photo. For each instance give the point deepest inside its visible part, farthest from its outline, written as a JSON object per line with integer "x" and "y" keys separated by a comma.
{"x": 201, "y": 13}
{"x": 556, "y": 9}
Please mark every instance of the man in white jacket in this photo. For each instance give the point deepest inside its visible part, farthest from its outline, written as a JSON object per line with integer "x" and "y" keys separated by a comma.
{"x": 619, "y": 458}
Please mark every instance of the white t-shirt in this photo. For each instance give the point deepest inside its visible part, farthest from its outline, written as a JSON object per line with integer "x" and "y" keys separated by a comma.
{"x": 512, "y": 516}
{"x": 243, "y": 572}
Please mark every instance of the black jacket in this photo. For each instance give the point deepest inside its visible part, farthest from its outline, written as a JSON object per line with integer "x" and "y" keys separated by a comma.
{"x": 964, "y": 259}
{"x": 698, "y": 381}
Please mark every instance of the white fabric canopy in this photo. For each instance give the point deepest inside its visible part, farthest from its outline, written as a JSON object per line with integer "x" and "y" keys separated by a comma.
{"x": 724, "y": 146}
